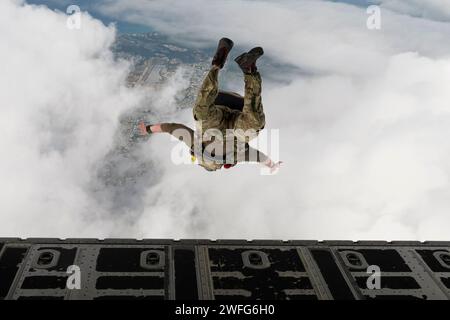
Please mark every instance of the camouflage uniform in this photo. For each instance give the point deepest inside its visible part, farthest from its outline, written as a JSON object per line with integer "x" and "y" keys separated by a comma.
{"x": 211, "y": 116}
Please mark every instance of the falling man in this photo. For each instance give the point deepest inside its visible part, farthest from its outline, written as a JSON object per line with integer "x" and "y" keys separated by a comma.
{"x": 225, "y": 121}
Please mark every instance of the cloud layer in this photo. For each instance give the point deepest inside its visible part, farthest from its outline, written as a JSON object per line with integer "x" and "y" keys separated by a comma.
{"x": 429, "y": 9}
{"x": 363, "y": 124}
{"x": 363, "y": 118}
{"x": 61, "y": 96}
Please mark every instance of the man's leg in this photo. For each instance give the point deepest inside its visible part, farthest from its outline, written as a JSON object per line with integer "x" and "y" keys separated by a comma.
{"x": 204, "y": 108}
{"x": 204, "y": 105}
{"x": 252, "y": 116}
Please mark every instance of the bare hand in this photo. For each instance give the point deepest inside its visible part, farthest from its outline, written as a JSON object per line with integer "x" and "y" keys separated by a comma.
{"x": 275, "y": 166}
{"x": 142, "y": 128}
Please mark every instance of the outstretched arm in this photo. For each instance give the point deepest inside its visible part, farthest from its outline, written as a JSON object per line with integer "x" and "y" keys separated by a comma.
{"x": 273, "y": 166}
{"x": 262, "y": 158}
{"x": 179, "y": 131}
{"x": 144, "y": 130}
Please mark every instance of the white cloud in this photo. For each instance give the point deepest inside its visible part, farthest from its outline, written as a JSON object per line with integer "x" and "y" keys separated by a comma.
{"x": 363, "y": 127}
{"x": 61, "y": 95}
{"x": 315, "y": 35}
{"x": 362, "y": 133}
{"x": 430, "y": 9}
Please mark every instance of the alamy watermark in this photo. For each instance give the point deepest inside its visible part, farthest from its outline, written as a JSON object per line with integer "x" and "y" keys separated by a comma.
{"x": 374, "y": 280}
{"x": 374, "y": 19}
{"x": 74, "y": 280}
{"x": 212, "y": 149}
{"x": 73, "y": 21}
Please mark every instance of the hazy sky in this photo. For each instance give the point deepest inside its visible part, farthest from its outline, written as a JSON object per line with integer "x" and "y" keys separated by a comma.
{"x": 364, "y": 118}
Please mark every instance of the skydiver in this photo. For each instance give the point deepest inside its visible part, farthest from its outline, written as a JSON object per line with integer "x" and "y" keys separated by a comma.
{"x": 225, "y": 121}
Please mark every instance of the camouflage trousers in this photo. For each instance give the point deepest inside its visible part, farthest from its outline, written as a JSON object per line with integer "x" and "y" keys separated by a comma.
{"x": 220, "y": 117}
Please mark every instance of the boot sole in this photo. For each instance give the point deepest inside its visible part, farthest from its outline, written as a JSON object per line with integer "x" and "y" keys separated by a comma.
{"x": 250, "y": 57}
{"x": 220, "y": 57}
{"x": 225, "y": 43}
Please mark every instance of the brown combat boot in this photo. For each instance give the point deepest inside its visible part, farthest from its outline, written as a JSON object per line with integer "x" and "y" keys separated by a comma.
{"x": 223, "y": 49}
{"x": 247, "y": 60}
